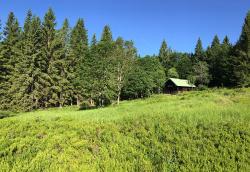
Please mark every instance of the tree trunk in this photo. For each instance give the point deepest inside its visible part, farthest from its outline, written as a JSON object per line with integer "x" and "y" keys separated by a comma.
{"x": 119, "y": 85}
{"x": 71, "y": 101}
{"x": 78, "y": 100}
{"x": 91, "y": 102}
{"x": 36, "y": 104}
{"x": 60, "y": 100}
{"x": 118, "y": 97}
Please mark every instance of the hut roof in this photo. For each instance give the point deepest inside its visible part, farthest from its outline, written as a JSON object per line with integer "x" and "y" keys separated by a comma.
{"x": 182, "y": 82}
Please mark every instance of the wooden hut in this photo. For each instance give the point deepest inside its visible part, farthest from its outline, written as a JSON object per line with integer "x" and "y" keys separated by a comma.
{"x": 174, "y": 85}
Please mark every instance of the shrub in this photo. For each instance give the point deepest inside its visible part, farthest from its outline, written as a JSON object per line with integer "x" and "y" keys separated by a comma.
{"x": 86, "y": 105}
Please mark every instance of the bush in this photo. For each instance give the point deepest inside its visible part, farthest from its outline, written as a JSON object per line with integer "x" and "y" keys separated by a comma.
{"x": 86, "y": 105}
{"x": 202, "y": 87}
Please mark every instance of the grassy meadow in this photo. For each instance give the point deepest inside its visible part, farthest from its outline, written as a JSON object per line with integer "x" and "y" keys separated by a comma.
{"x": 192, "y": 131}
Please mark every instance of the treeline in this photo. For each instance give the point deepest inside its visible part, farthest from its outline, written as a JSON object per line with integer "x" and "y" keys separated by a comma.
{"x": 221, "y": 64}
{"x": 41, "y": 66}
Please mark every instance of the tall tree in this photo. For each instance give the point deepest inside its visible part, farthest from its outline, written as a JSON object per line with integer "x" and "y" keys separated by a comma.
{"x": 138, "y": 84}
{"x": 201, "y": 74}
{"x": 184, "y": 66}
{"x": 53, "y": 52}
{"x": 78, "y": 51}
{"x": 0, "y": 31}
{"x": 9, "y": 58}
{"x": 155, "y": 73}
{"x": 244, "y": 41}
{"x": 240, "y": 60}
{"x": 106, "y": 76}
{"x": 165, "y": 56}
{"x": 62, "y": 64}
{"x": 21, "y": 78}
{"x": 213, "y": 60}
{"x": 199, "y": 54}
{"x": 223, "y": 65}
{"x": 124, "y": 54}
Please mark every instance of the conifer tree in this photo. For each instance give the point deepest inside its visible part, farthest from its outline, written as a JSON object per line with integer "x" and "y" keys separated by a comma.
{"x": 240, "y": 59}
{"x": 52, "y": 51}
{"x": 199, "y": 52}
{"x": 21, "y": 77}
{"x": 106, "y": 77}
{"x": 224, "y": 63}
{"x": 10, "y": 52}
{"x": 201, "y": 74}
{"x": 213, "y": 60}
{"x": 92, "y": 66}
{"x": 78, "y": 51}
{"x": 0, "y": 31}
{"x": 244, "y": 41}
{"x": 31, "y": 77}
{"x": 165, "y": 56}
{"x": 61, "y": 64}
{"x": 184, "y": 66}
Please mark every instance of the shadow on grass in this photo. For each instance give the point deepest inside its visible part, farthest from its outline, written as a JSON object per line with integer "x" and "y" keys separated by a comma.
{"x": 4, "y": 114}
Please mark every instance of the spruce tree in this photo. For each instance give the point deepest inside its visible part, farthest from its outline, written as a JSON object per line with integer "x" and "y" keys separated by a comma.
{"x": 199, "y": 54}
{"x": 57, "y": 87}
{"x": 60, "y": 66}
{"x": 38, "y": 63}
{"x": 244, "y": 41}
{"x": 21, "y": 77}
{"x": 213, "y": 54}
{"x": 31, "y": 77}
{"x": 67, "y": 86}
{"x": 106, "y": 76}
{"x": 92, "y": 69}
{"x": 200, "y": 74}
{"x": 224, "y": 63}
{"x": 78, "y": 51}
{"x": 165, "y": 56}
{"x": 10, "y": 52}
{"x": 0, "y": 31}
{"x": 184, "y": 66}
{"x": 240, "y": 60}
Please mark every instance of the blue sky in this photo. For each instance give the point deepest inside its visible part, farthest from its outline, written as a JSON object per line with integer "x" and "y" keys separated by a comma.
{"x": 146, "y": 22}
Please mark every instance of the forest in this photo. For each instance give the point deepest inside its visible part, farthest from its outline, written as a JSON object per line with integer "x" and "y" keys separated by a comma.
{"x": 42, "y": 66}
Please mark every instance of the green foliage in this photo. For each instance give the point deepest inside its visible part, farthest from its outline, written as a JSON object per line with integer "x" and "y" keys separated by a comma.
{"x": 10, "y": 51}
{"x": 199, "y": 54}
{"x": 123, "y": 57}
{"x": 147, "y": 76}
{"x": 240, "y": 59}
{"x": 164, "y": 55}
{"x": 138, "y": 83}
{"x": 201, "y": 74}
{"x": 184, "y": 66}
{"x": 42, "y": 66}
{"x": 172, "y": 73}
{"x": 78, "y": 52}
{"x": 155, "y": 73}
{"x": 207, "y": 131}
{"x": 244, "y": 40}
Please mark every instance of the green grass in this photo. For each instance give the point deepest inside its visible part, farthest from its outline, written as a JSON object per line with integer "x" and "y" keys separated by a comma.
{"x": 194, "y": 131}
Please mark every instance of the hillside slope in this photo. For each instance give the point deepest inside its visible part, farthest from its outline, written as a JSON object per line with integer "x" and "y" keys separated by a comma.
{"x": 208, "y": 130}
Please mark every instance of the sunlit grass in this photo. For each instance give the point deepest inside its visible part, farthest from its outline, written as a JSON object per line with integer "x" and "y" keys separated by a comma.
{"x": 206, "y": 130}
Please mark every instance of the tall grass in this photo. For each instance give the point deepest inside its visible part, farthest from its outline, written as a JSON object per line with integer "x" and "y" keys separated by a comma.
{"x": 194, "y": 131}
